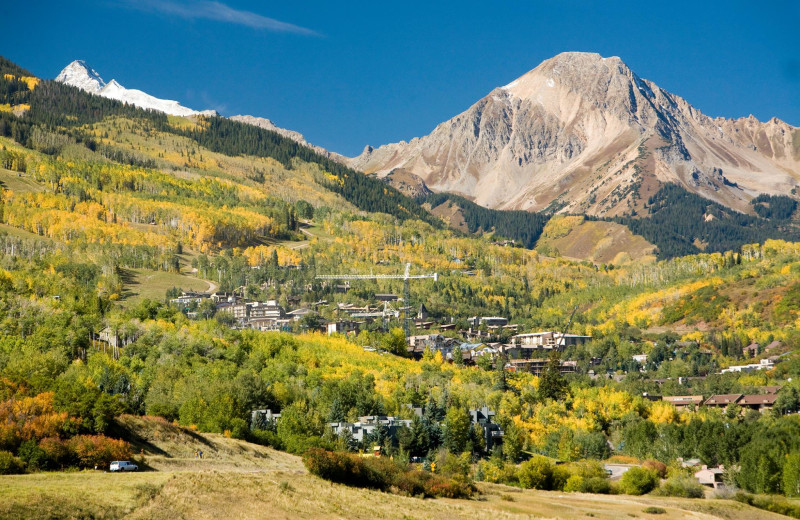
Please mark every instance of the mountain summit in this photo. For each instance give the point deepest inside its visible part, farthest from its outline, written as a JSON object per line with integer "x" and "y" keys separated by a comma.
{"x": 584, "y": 134}
{"x": 79, "y": 74}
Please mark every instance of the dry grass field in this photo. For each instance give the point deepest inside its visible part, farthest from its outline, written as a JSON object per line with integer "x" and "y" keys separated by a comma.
{"x": 236, "y": 479}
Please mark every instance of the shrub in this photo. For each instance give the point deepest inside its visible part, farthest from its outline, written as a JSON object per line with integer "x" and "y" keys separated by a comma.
{"x": 382, "y": 474}
{"x": 98, "y": 450}
{"x": 638, "y": 481}
{"x": 654, "y": 510}
{"x": 574, "y": 484}
{"x": 769, "y": 503}
{"x": 597, "y": 485}
{"x": 659, "y": 468}
{"x": 10, "y": 465}
{"x": 684, "y": 486}
{"x": 536, "y": 473}
{"x": 57, "y": 453}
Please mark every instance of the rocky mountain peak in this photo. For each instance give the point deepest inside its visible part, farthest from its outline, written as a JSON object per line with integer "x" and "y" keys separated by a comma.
{"x": 79, "y": 74}
{"x": 583, "y": 133}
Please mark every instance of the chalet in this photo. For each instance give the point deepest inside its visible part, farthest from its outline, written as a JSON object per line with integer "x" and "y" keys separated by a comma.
{"x": 711, "y": 477}
{"x": 367, "y": 425}
{"x": 723, "y": 400}
{"x": 683, "y": 401}
{"x": 770, "y": 389}
{"x": 759, "y": 403}
{"x": 548, "y": 340}
{"x": 773, "y": 346}
{"x": 751, "y": 350}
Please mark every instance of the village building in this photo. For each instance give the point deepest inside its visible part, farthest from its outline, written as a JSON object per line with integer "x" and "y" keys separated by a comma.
{"x": 760, "y": 403}
{"x": 723, "y": 400}
{"x": 683, "y": 401}
{"x": 548, "y": 340}
{"x": 711, "y": 477}
{"x": 751, "y": 350}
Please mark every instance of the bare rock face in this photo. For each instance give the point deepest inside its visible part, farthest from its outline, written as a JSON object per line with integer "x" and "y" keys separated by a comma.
{"x": 582, "y": 133}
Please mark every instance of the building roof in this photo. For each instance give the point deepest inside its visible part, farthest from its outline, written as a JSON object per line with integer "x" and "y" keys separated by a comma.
{"x": 768, "y": 399}
{"x": 722, "y": 399}
{"x": 770, "y": 389}
{"x": 775, "y": 344}
{"x": 683, "y": 399}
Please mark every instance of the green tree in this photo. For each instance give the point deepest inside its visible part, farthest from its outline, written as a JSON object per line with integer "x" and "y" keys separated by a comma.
{"x": 457, "y": 424}
{"x": 552, "y": 384}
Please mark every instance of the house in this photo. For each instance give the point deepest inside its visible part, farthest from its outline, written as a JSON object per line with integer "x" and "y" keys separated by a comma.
{"x": 386, "y": 297}
{"x": 482, "y": 419}
{"x": 188, "y": 297}
{"x": 548, "y": 340}
{"x": 760, "y": 403}
{"x": 764, "y": 364}
{"x": 770, "y": 389}
{"x": 262, "y": 419}
{"x": 299, "y": 313}
{"x": 723, "y": 400}
{"x": 751, "y": 350}
{"x": 680, "y": 402}
{"x": 343, "y": 327}
{"x": 267, "y": 310}
{"x": 367, "y": 425}
{"x": 773, "y": 346}
{"x": 711, "y": 477}
{"x": 537, "y": 366}
{"x": 489, "y": 321}
{"x": 640, "y": 358}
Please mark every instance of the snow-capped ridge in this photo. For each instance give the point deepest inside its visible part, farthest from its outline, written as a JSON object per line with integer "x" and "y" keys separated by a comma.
{"x": 79, "y": 74}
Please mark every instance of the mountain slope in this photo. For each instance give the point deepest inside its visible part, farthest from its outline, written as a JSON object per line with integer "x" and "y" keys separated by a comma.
{"x": 584, "y": 134}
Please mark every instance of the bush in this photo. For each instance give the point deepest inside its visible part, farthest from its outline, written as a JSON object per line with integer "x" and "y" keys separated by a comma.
{"x": 684, "y": 486}
{"x": 638, "y": 481}
{"x": 659, "y": 468}
{"x": 98, "y": 450}
{"x": 382, "y": 474}
{"x": 654, "y": 510}
{"x": 10, "y": 465}
{"x": 536, "y": 473}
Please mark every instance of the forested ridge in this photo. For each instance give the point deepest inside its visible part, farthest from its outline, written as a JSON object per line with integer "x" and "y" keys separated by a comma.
{"x": 680, "y": 221}
{"x": 522, "y": 226}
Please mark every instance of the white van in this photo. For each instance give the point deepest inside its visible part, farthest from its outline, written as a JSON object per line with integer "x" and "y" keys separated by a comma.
{"x": 123, "y": 465}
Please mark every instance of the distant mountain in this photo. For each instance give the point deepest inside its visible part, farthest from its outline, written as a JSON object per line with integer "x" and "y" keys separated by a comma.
{"x": 584, "y": 134}
{"x": 79, "y": 74}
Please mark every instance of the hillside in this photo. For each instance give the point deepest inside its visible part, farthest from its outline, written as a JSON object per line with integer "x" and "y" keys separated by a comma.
{"x": 236, "y": 479}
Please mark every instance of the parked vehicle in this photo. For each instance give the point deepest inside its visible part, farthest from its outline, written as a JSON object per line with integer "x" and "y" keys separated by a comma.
{"x": 123, "y": 465}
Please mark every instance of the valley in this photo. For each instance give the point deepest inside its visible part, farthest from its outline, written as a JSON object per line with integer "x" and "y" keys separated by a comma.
{"x": 337, "y": 344}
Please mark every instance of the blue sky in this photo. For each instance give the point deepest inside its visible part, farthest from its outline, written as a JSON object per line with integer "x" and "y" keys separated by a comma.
{"x": 347, "y": 74}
